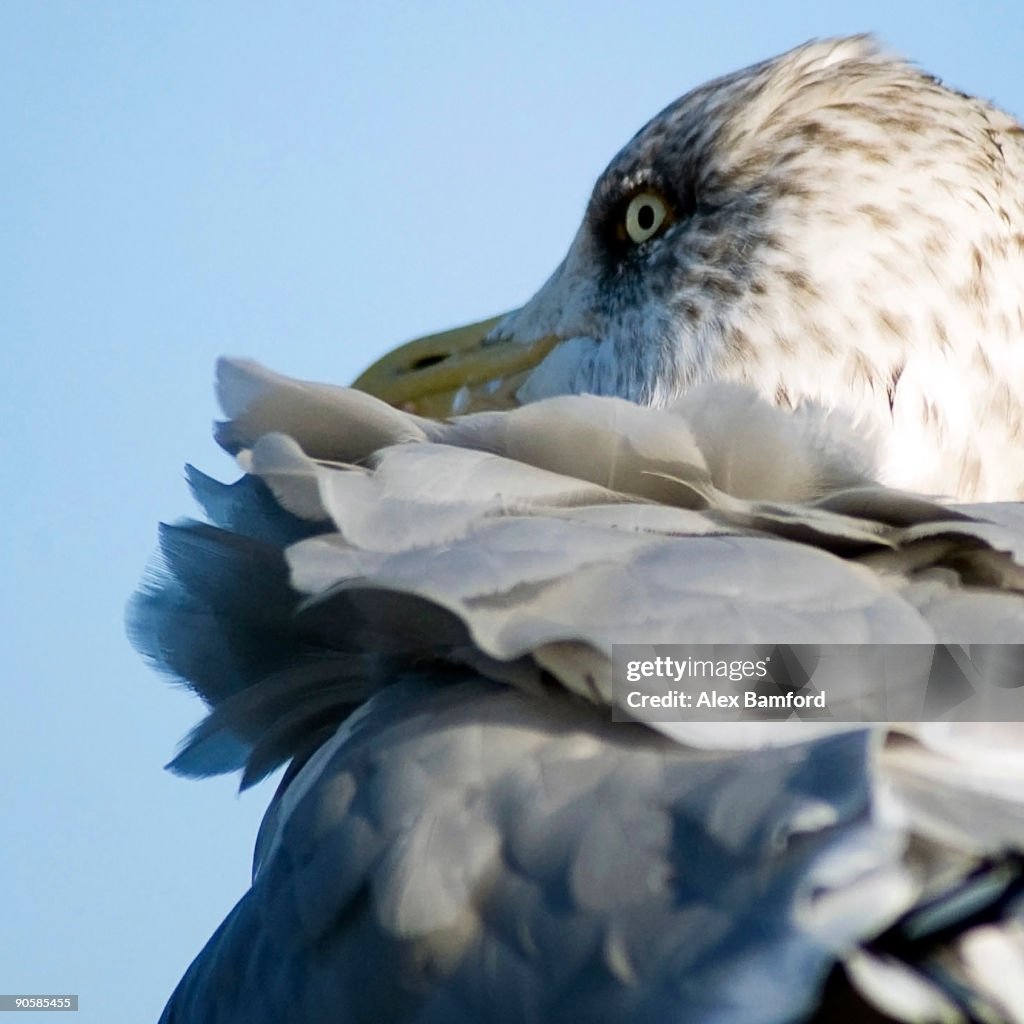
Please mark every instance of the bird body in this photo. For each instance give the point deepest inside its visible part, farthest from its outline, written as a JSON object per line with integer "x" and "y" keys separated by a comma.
{"x": 797, "y": 286}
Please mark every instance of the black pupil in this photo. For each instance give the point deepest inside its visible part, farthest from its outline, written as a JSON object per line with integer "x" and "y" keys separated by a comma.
{"x": 645, "y": 217}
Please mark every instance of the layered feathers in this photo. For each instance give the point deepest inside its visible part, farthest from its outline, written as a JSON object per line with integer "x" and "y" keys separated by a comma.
{"x": 459, "y": 586}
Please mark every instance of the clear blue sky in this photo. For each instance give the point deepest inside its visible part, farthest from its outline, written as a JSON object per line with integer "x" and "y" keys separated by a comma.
{"x": 307, "y": 184}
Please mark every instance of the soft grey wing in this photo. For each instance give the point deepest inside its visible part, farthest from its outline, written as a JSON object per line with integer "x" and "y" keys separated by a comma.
{"x": 419, "y": 617}
{"x": 466, "y": 852}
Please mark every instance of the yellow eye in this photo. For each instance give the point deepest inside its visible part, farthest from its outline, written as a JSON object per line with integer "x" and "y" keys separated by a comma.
{"x": 645, "y": 216}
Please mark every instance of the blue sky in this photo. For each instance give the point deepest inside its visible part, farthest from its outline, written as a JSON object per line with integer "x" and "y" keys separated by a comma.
{"x": 307, "y": 184}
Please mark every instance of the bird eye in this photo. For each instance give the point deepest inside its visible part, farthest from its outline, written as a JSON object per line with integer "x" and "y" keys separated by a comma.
{"x": 645, "y": 216}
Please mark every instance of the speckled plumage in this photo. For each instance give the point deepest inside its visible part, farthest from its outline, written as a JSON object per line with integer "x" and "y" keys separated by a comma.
{"x": 847, "y": 231}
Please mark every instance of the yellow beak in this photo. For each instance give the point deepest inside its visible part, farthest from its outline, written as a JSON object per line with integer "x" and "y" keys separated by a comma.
{"x": 454, "y": 372}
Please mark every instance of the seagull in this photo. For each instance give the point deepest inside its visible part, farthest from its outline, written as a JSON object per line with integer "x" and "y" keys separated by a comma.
{"x": 771, "y": 397}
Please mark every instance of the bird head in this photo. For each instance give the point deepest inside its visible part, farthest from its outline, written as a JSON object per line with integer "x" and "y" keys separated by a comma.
{"x": 832, "y": 226}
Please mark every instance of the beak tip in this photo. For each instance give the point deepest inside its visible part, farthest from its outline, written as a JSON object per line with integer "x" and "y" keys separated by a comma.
{"x": 467, "y": 369}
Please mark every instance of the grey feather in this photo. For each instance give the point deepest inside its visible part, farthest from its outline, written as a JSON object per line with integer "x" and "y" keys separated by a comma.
{"x": 460, "y": 819}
